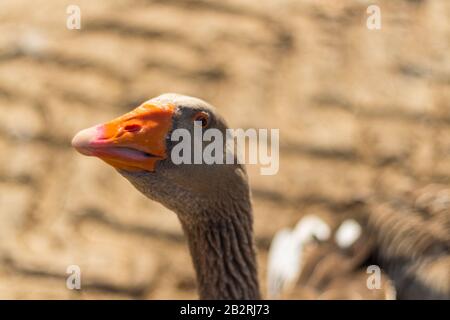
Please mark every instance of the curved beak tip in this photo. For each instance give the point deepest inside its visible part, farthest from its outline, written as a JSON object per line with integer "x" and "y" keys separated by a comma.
{"x": 83, "y": 139}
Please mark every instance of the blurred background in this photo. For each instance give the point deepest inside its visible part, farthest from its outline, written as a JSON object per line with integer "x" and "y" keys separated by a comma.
{"x": 359, "y": 111}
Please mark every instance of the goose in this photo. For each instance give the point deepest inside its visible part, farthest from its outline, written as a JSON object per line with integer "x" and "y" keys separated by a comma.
{"x": 325, "y": 268}
{"x": 212, "y": 202}
{"x": 348, "y": 251}
{"x": 340, "y": 269}
{"x": 213, "y": 205}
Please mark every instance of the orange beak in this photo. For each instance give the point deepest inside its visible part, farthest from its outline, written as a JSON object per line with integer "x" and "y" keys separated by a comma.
{"x": 133, "y": 142}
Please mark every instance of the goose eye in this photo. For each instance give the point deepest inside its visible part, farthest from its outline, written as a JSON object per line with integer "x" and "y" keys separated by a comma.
{"x": 203, "y": 117}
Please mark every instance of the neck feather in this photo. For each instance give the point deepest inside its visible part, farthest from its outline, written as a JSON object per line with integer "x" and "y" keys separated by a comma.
{"x": 223, "y": 254}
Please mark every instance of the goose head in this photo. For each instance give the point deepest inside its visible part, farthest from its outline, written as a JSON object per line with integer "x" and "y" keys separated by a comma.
{"x": 144, "y": 146}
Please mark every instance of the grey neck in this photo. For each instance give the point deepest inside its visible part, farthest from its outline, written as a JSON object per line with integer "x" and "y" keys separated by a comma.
{"x": 223, "y": 254}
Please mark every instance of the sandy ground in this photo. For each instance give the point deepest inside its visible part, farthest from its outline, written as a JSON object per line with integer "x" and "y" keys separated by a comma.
{"x": 359, "y": 112}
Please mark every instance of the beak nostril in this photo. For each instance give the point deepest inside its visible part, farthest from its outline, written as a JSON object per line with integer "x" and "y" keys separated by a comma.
{"x": 132, "y": 127}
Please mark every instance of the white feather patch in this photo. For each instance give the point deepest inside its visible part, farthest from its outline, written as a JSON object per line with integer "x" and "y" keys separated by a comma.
{"x": 286, "y": 250}
{"x": 348, "y": 232}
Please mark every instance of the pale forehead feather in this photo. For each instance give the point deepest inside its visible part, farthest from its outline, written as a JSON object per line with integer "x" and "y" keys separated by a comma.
{"x": 180, "y": 100}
